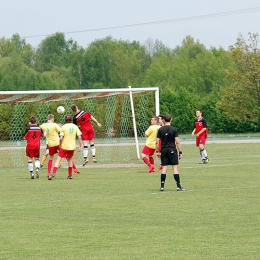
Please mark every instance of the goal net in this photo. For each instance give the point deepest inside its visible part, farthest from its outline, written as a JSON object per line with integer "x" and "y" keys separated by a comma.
{"x": 124, "y": 114}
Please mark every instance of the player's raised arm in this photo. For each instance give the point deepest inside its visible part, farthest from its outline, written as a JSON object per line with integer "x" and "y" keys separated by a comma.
{"x": 95, "y": 120}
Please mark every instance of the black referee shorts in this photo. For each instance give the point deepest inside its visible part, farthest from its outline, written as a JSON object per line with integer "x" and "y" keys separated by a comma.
{"x": 169, "y": 156}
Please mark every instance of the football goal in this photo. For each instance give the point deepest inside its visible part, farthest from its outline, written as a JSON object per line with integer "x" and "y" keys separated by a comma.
{"x": 124, "y": 113}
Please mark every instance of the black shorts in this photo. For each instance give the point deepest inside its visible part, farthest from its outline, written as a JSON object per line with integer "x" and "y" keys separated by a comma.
{"x": 169, "y": 156}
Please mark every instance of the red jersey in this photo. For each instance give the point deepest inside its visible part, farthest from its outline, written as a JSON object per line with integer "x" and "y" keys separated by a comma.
{"x": 33, "y": 136}
{"x": 83, "y": 118}
{"x": 200, "y": 124}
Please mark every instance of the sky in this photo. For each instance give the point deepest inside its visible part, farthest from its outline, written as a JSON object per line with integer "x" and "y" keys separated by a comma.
{"x": 213, "y": 23}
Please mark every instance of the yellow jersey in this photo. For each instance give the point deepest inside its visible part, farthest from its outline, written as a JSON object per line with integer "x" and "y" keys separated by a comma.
{"x": 151, "y": 134}
{"x": 52, "y": 133}
{"x": 69, "y": 132}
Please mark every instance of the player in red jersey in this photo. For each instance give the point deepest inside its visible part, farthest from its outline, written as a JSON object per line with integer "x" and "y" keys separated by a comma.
{"x": 201, "y": 131}
{"x": 83, "y": 119}
{"x": 33, "y": 136}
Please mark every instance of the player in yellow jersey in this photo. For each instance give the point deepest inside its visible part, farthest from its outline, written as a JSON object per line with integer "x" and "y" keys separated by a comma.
{"x": 150, "y": 144}
{"x": 51, "y": 131}
{"x": 69, "y": 133}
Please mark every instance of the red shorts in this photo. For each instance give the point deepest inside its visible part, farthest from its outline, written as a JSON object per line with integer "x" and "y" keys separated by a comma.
{"x": 66, "y": 153}
{"x": 33, "y": 153}
{"x": 88, "y": 135}
{"x": 87, "y": 132}
{"x": 201, "y": 140}
{"x": 53, "y": 150}
{"x": 148, "y": 151}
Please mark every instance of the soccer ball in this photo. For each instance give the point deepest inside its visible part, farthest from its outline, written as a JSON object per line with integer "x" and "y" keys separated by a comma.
{"x": 60, "y": 110}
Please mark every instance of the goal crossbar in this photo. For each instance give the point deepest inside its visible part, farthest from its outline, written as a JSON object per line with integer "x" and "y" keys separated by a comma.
{"x": 57, "y": 95}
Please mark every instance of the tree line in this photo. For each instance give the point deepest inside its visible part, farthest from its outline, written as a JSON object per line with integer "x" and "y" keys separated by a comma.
{"x": 223, "y": 83}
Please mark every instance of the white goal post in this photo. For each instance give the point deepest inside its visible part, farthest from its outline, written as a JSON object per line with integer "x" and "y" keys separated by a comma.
{"x": 124, "y": 113}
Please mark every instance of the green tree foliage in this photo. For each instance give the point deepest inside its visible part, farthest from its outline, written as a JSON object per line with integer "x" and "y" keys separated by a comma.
{"x": 97, "y": 63}
{"x": 17, "y": 47}
{"x": 241, "y": 99}
{"x": 54, "y": 52}
{"x": 191, "y": 66}
{"x": 159, "y": 72}
{"x": 76, "y": 59}
{"x": 15, "y": 75}
{"x": 188, "y": 76}
{"x": 197, "y": 69}
{"x": 181, "y": 106}
{"x": 114, "y": 64}
{"x": 18, "y": 64}
{"x": 25, "y": 50}
{"x": 5, "y": 111}
{"x": 61, "y": 78}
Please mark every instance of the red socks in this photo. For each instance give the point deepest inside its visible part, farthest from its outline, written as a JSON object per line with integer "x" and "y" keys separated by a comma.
{"x": 151, "y": 160}
{"x": 49, "y": 167}
{"x": 70, "y": 172}
{"x": 146, "y": 161}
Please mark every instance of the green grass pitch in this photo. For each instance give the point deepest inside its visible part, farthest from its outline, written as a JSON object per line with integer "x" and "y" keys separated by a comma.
{"x": 119, "y": 213}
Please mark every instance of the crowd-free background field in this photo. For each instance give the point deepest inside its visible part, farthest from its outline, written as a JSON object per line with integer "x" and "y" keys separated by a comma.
{"x": 115, "y": 212}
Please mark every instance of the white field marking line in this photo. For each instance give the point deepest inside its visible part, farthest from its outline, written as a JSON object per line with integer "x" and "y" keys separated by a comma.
{"x": 217, "y": 165}
{"x": 135, "y": 195}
